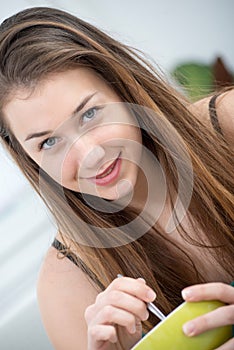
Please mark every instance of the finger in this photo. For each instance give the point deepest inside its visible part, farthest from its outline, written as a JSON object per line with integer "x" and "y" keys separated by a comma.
{"x": 138, "y": 325}
{"x": 141, "y": 280}
{"x": 222, "y": 316}
{"x": 101, "y": 333}
{"x": 134, "y": 287}
{"x": 110, "y": 315}
{"x": 123, "y": 301}
{"x": 90, "y": 311}
{"x": 209, "y": 291}
{"x": 229, "y": 345}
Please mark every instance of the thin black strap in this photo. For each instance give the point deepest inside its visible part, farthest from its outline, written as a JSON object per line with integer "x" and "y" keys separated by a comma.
{"x": 213, "y": 114}
{"x": 77, "y": 261}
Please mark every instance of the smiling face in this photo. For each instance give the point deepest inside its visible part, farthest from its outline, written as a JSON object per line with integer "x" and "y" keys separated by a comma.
{"x": 75, "y": 127}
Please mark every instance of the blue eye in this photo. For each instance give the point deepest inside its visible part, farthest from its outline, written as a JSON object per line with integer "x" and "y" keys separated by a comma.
{"x": 90, "y": 113}
{"x": 48, "y": 143}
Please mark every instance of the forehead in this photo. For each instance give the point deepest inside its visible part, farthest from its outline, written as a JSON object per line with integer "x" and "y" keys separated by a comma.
{"x": 51, "y": 100}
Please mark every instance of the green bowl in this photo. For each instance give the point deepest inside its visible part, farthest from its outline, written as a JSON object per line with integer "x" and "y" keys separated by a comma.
{"x": 168, "y": 334}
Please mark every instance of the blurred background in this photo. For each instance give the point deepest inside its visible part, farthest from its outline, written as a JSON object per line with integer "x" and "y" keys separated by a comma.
{"x": 192, "y": 42}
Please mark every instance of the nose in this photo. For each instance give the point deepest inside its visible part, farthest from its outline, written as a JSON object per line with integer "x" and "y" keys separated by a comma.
{"x": 89, "y": 154}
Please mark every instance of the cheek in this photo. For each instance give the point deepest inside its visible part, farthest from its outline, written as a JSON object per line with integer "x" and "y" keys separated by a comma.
{"x": 62, "y": 168}
{"x": 123, "y": 132}
{"x": 133, "y": 135}
{"x": 69, "y": 167}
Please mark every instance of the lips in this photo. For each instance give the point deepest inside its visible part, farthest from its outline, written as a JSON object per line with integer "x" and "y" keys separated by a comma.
{"x": 108, "y": 169}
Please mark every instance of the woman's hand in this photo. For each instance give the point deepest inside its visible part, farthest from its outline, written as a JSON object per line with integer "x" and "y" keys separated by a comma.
{"x": 116, "y": 315}
{"x": 222, "y": 316}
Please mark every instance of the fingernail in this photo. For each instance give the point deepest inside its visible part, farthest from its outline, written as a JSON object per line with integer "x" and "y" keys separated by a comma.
{"x": 187, "y": 294}
{"x": 151, "y": 294}
{"x": 189, "y": 328}
{"x": 141, "y": 279}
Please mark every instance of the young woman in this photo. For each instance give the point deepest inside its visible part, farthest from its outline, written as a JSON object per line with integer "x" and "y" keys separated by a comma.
{"x": 139, "y": 181}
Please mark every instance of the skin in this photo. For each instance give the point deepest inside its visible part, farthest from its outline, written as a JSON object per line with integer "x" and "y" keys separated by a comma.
{"x": 79, "y": 152}
{"x": 81, "y": 146}
{"x": 221, "y": 316}
{"x": 111, "y": 308}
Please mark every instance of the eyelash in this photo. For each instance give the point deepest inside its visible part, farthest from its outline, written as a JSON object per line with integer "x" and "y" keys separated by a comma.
{"x": 40, "y": 145}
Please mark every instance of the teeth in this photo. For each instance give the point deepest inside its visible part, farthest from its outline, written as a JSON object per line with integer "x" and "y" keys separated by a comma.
{"x": 107, "y": 173}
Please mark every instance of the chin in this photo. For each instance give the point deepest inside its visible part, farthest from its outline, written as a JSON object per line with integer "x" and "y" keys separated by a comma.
{"x": 122, "y": 189}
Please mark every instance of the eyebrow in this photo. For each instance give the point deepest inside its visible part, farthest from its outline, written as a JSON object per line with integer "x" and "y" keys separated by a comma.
{"x": 78, "y": 109}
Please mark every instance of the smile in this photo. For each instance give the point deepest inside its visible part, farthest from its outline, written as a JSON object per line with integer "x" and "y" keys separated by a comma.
{"x": 109, "y": 175}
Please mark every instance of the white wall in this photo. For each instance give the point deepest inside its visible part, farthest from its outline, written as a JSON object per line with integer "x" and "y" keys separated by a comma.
{"x": 169, "y": 31}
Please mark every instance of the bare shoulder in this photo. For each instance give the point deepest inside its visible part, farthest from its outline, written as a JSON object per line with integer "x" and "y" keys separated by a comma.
{"x": 63, "y": 293}
{"x": 225, "y": 112}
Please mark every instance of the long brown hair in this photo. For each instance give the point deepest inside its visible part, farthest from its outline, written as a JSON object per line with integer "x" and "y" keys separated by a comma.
{"x": 40, "y": 41}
